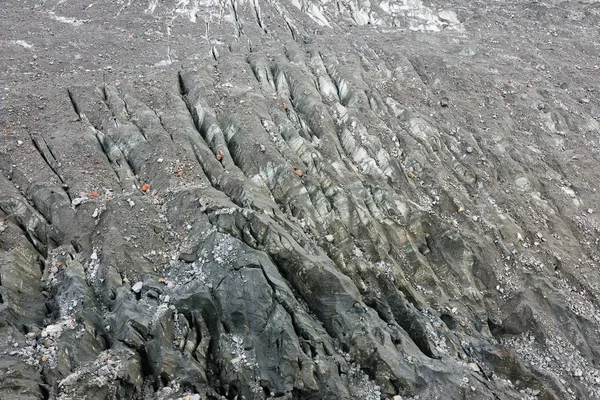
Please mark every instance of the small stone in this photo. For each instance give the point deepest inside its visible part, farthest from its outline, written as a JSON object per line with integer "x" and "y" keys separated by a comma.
{"x": 131, "y": 203}
{"x": 44, "y": 334}
{"x": 578, "y": 373}
{"x": 78, "y": 200}
{"x": 584, "y": 100}
{"x": 474, "y": 367}
{"x": 589, "y": 210}
{"x": 160, "y": 160}
{"x": 475, "y": 218}
{"x": 166, "y": 298}
{"x": 15, "y": 344}
{"x": 94, "y": 255}
{"x": 137, "y": 287}
{"x": 469, "y": 149}
{"x": 329, "y": 238}
{"x": 54, "y": 330}
{"x": 522, "y": 183}
{"x": 19, "y": 142}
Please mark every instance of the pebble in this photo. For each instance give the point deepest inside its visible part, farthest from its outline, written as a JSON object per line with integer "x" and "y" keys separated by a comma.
{"x": 159, "y": 160}
{"x": 474, "y": 367}
{"x": 589, "y": 210}
{"x": 329, "y": 238}
{"x": 78, "y": 200}
{"x": 131, "y": 203}
{"x": 469, "y": 149}
{"x": 53, "y": 330}
{"x": 137, "y": 287}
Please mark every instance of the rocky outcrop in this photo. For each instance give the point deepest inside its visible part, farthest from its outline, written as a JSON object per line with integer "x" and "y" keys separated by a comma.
{"x": 313, "y": 200}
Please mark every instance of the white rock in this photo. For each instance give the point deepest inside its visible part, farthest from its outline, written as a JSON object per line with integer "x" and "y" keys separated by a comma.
{"x": 53, "y": 330}
{"x": 329, "y": 238}
{"x": 522, "y": 183}
{"x": 474, "y": 367}
{"x": 78, "y": 200}
{"x": 159, "y": 160}
{"x": 137, "y": 287}
{"x": 131, "y": 203}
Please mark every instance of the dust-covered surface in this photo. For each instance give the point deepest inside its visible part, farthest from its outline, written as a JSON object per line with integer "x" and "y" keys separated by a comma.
{"x": 301, "y": 200}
